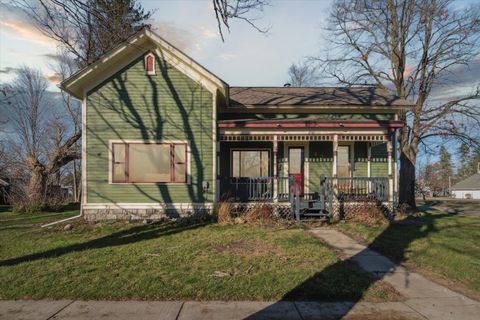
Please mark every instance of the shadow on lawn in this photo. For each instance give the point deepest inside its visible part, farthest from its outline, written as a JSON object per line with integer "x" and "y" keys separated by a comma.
{"x": 131, "y": 235}
{"x": 398, "y": 235}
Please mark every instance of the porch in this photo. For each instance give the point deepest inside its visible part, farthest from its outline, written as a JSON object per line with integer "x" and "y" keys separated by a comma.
{"x": 311, "y": 171}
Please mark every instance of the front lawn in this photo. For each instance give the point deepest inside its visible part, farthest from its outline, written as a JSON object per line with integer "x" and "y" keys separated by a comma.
{"x": 441, "y": 245}
{"x": 172, "y": 261}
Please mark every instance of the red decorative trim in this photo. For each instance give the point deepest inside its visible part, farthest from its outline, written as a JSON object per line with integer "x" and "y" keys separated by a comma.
{"x": 308, "y": 124}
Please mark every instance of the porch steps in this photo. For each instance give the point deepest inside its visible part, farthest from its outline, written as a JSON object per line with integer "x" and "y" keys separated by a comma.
{"x": 312, "y": 209}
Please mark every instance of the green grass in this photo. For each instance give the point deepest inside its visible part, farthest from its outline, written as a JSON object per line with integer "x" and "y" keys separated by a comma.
{"x": 441, "y": 244}
{"x": 168, "y": 262}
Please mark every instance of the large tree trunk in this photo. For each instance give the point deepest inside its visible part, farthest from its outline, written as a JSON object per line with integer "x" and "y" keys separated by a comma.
{"x": 37, "y": 186}
{"x": 407, "y": 181}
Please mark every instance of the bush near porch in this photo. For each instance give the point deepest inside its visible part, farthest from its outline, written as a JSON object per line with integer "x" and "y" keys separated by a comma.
{"x": 442, "y": 246}
{"x": 172, "y": 261}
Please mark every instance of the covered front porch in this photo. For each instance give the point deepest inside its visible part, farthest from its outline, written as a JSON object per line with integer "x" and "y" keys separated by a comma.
{"x": 316, "y": 167}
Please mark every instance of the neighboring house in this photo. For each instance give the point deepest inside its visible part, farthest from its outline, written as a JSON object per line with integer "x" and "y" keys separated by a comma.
{"x": 162, "y": 133}
{"x": 468, "y": 188}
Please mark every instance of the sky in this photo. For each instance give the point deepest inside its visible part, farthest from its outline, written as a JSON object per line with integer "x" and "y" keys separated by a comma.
{"x": 245, "y": 58}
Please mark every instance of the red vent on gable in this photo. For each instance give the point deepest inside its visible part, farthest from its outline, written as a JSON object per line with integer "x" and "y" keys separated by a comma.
{"x": 150, "y": 63}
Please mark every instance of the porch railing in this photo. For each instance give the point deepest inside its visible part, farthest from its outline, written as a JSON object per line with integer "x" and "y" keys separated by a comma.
{"x": 359, "y": 188}
{"x": 343, "y": 189}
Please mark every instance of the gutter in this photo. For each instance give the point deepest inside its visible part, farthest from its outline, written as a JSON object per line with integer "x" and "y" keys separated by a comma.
{"x": 63, "y": 220}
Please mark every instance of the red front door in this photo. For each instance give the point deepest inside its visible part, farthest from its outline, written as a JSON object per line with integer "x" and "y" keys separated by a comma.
{"x": 296, "y": 161}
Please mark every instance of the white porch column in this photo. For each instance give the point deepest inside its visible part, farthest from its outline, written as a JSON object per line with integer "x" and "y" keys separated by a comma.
{"x": 390, "y": 169}
{"x": 369, "y": 164}
{"x": 275, "y": 173}
{"x": 334, "y": 175}
{"x": 335, "y": 149}
{"x": 217, "y": 186}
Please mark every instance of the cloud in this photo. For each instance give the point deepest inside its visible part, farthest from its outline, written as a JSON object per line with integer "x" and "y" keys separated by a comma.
{"x": 461, "y": 80}
{"x": 9, "y": 70}
{"x": 54, "y": 57}
{"x": 227, "y": 56}
{"x": 179, "y": 37}
{"x": 53, "y": 78}
{"x": 209, "y": 33}
{"x": 16, "y": 22}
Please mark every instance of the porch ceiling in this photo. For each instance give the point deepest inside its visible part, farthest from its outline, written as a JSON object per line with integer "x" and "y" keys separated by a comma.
{"x": 379, "y": 138}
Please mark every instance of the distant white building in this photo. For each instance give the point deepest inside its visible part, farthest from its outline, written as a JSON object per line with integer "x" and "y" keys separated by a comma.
{"x": 468, "y": 188}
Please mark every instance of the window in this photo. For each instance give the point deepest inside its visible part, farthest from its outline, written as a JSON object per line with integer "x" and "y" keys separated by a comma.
{"x": 250, "y": 163}
{"x": 149, "y": 162}
{"x": 343, "y": 161}
{"x": 150, "y": 63}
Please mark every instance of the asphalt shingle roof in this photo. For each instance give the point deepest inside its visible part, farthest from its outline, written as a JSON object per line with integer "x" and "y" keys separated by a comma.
{"x": 270, "y": 96}
{"x": 471, "y": 183}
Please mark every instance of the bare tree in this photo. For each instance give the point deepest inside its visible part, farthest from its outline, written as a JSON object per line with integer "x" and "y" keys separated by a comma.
{"x": 227, "y": 10}
{"x": 302, "y": 74}
{"x": 64, "y": 66}
{"x": 86, "y": 29}
{"x": 411, "y": 47}
{"x": 42, "y": 153}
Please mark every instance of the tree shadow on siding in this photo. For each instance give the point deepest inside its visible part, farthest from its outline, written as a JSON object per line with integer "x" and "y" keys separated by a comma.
{"x": 153, "y": 124}
{"x": 395, "y": 239}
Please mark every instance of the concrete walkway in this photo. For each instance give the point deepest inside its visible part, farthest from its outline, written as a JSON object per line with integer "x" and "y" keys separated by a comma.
{"x": 427, "y": 298}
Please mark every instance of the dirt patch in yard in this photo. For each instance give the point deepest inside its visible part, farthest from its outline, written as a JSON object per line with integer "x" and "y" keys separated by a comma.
{"x": 251, "y": 248}
{"x": 382, "y": 291}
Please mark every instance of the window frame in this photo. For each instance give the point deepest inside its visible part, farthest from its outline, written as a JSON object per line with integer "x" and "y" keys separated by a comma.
{"x": 172, "y": 143}
{"x": 148, "y": 55}
{"x": 269, "y": 169}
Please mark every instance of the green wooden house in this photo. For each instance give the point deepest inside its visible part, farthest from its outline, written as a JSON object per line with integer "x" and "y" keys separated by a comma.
{"x": 163, "y": 135}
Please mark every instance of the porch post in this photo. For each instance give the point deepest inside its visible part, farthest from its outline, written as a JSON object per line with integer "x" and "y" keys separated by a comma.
{"x": 334, "y": 175}
{"x": 217, "y": 189}
{"x": 390, "y": 171}
{"x": 335, "y": 148}
{"x": 369, "y": 165}
{"x": 275, "y": 174}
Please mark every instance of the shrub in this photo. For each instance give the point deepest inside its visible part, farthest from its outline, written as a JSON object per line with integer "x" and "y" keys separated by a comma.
{"x": 365, "y": 212}
{"x": 26, "y": 208}
{"x": 259, "y": 214}
{"x": 223, "y": 212}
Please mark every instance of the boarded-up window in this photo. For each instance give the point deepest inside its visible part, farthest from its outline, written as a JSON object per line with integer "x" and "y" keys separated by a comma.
{"x": 149, "y": 162}
{"x": 250, "y": 163}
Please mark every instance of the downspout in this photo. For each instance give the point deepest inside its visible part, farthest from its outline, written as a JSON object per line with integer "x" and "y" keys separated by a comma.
{"x": 63, "y": 220}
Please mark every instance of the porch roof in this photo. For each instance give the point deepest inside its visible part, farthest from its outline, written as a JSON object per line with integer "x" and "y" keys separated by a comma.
{"x": 307, "y": 123}
{"x": 366, "y": 96}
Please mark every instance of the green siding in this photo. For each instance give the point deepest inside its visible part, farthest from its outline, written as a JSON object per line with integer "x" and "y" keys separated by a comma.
{"x": 326, "y": 116}
{"x": 165, "y": 106}
{"x": 320, "y": 163}
{"x": 379, "y": 163}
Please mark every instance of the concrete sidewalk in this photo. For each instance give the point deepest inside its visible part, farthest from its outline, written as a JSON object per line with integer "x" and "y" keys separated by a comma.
{"x": 426, "y": 297}
{"x": 172, "y": 310}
